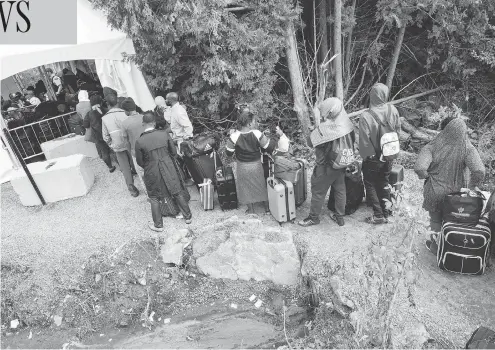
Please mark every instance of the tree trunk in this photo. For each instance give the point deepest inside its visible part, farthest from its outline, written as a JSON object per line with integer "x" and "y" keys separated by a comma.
{"x": 296, "y": 79}
{"x": 348, "y": 53}
{"x": 337, "y": 46}
{"x": 322, "y": 24}
{"x": 395, "y": 57}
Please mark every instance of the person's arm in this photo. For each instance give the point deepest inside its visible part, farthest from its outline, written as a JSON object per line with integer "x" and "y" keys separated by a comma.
{"x": 105, "y": 133}
{"x": 230, "y": 147}
{"x": 171, "y": 147}
{"x": 364, "y": 137}
{"x": 184, "y": 121}
{"x": 476, "y": 167}
{"x": 86, "y": 122}
{"x": 139, "y": 154}
{"x": 423, "y": 162}
{"x": 308, "y": 141}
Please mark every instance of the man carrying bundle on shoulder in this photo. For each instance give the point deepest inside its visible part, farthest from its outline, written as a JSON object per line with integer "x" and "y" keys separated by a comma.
{"x": 333, "y": 141}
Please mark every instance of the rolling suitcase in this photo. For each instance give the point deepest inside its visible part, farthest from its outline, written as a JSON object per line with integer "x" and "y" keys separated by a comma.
{"x": 354, "y": 188}
{"x": 206, "y": 191}
{"x": 202, "y": 167}
{"x": 226, "y": 191}
{"x": 301, "y": 183}
{"x": 464, "y": 248}
{"x": 281, "y": 200}
{"x": 396, "y": 178}
{"x": 295, "y": 171}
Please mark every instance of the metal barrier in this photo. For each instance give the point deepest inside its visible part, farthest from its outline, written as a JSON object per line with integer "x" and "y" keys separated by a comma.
{"x": 28, "y": 138}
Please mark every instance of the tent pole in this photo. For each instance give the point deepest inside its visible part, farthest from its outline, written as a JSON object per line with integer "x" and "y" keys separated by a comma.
{"x": 46, "y": 80}
{"x": 23, "y": 163}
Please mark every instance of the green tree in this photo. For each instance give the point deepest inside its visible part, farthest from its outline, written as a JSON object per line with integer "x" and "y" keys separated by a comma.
{"x": 215, "y": 56}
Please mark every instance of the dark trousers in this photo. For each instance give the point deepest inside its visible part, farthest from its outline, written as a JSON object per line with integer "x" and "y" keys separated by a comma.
{"x": 156, "y": 211}
{"x": 126, "y": 165}
{"x": 376, "y": 181}
{"x": 436, "y": 221}
{"x": 323, "y": 177}
{"x": 104, "y": 152}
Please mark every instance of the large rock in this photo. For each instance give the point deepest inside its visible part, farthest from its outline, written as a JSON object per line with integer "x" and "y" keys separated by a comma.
{"x": 175, "y": 242}
{"x": 244, "y": 249}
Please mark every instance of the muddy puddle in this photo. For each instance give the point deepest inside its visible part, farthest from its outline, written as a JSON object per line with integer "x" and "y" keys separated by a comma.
{"x": 218, "y": 325}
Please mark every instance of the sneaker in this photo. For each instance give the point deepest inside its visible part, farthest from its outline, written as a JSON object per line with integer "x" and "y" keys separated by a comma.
{"x": 338, "y": 219}
{"x": 373, "y": 220}
{"x": 154, "y": 228}
{"x": 308, "y": 222}
{"x": 188, "y": 221}
{"x": 134, "y": 191}
{"x": 112, "y": 169}
{"x": 180, "y": 216}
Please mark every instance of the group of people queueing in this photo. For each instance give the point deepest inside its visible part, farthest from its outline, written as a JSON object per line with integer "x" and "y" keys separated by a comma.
{"x": 142, "y": 145}
{"x": 145, "y": 144}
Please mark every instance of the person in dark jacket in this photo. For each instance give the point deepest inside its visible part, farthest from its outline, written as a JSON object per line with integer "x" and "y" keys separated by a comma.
{"x": 156, "y": 153}
{"x": 92, "y": 121}
{"x": 376, "y": 173}
{"x": 336, "y": 126}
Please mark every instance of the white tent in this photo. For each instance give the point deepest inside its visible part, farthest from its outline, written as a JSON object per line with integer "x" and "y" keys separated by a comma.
{"x": 95, "y": 40}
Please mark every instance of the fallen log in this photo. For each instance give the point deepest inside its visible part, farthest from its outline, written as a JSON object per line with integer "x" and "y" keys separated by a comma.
{"x": 355, "y": 114}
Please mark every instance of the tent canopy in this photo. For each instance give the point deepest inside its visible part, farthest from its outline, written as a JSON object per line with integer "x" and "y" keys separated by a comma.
{"x": 95, "y": 40}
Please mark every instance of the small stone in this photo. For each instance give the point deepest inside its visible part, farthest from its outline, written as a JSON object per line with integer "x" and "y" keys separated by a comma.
{"x": 57, "y": 320}
{"x": 233, "y": 306}
{"x": 142, "y": 281}
{"x": 167, "y": 320}
{"x": 252, "y": 298}
{"x": 151, "y": 316}
{"x": 30, "y": 335}
{"x": 167, "y": 275}
{"x": 101, "y": 334}
{"x": 258, "y": 303}
{"x": 14, "y": 323}
{"x": 110, "y": 339}
{"x": 97, "y": 278}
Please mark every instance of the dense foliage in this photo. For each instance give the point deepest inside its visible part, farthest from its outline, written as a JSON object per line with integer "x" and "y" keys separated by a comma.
{"x": 215, "y": 58}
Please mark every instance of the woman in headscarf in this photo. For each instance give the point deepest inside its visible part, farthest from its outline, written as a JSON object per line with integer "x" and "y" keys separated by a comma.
{"x": 82, "y": 108}
{"x": 444, "y": 164}
{"x": 335, "y": 127}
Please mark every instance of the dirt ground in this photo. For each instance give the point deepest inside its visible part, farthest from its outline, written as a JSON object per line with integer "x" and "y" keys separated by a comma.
{"x": 47, "y": 248}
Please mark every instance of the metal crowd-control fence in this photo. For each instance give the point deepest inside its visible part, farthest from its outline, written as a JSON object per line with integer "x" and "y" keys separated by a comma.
{"x": 28, "y": 138}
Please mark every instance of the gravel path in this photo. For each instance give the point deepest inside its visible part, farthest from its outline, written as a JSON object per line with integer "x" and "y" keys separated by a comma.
{"x": 57, "y": 239}
{"x": 62, "y": 235}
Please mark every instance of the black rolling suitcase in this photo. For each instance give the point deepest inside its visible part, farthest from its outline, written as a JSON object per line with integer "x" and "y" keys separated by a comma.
{"x": 354, "y": 188}
{"x": 227, "y": 193}
{"x": 225, "y": 182}
{"x": 202, "y": 167}
{"x": 464, "y": 248}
